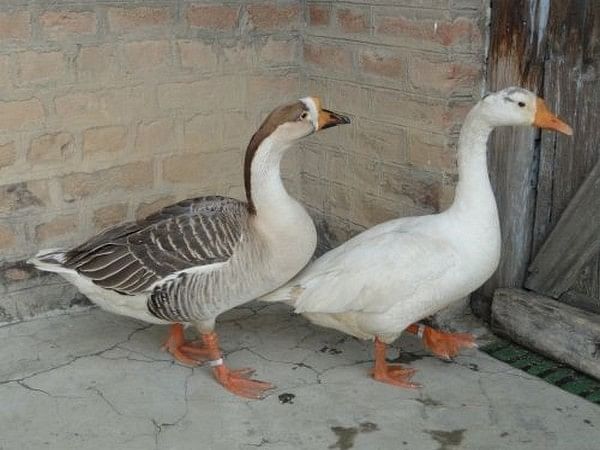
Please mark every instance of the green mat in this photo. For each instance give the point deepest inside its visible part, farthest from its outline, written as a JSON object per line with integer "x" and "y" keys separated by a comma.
{"x": 553, "y": 372}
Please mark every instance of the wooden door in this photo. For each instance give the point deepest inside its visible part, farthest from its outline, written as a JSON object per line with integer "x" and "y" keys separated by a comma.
{"x": 548, "y": 185}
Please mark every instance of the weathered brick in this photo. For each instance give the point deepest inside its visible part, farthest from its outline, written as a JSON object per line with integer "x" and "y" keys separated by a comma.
{"x": 318, "y": 15}
{"x": 265, "y": 92}
{"x": 21, "y": 114}
{"x": 214, "y": 17}
{"x": 51, "y": 147}
{"x": 397, "y": 107}
{"x": 364, "y": 173}
{"x": 127, "y": 20}
{"x": 461, "y": 32}
{"x": 58, "y": 227}
{"x": 312, "y": 158}
{"x": 336, "y": 166}
{"x": 104, "y": 140}
{"x": 8, "y": 154}
{"x": 369, "y": 210}
{"x": 203, "y": 133}
{"x": 100, "y": 107}
{"x": 154, "y": 137}
{"x": 127, "y": 177}
{"x": 18, "y": 196}
{"x": 273, "y": 16}
{"x": 314, "y": 191}
{"x": 327, "y": 56}
{"x": 15, "y": 25}
{"x": 81, "y": 107}
{"x": 209, "y": 94}
{"x": 146, "y": 56}
{"x": 8, "y": 237}
{"x": 382, "y": 63}
{"x": 443, "y": 77}
{"x": 96, "y": 62}
{"x": 197, "y": 55}
{"x": 237, "y": 57}
{"x": 35, "y": 67}
{"x": 203, "y": 169}
{"x": 381, "y": 141}
{"x": 58, "y": 24}
{"x": 109, "y": 215}
{"x": 6, "y": 65}
{"x": 337, "y": 201}
{"x": 430, "y": 151}
{"x": 238, "y": 135}
{"x": 347, "y": 97}
{"x": 353, "y": 20}
{"x": 276, "y": 52}
{"x": 147, "y": 208}
{"x": 422, "y": 189}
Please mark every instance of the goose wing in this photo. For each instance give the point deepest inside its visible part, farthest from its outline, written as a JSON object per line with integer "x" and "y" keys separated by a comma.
{"x": 131, "y": 257}
{"x": 372, "y": 275}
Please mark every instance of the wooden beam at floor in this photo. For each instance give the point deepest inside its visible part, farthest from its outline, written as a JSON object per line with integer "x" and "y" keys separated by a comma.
{"x": 557, "y": 330}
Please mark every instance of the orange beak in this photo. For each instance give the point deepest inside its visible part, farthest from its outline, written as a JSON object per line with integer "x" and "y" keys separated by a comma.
{"x": 328, "y": 119}
{"x": 545, "y": 119}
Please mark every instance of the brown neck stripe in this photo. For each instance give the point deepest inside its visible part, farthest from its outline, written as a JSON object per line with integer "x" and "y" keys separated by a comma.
{"x": 280, "y": 115}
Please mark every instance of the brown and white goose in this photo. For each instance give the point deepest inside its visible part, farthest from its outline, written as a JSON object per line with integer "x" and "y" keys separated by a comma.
{"x": 193, "y": 260}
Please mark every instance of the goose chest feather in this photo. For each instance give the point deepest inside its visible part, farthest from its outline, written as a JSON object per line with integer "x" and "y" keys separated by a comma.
{"x": 197, "y": 258}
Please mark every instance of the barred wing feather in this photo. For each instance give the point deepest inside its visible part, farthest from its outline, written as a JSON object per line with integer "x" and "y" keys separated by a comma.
{"x": 131, "y": 257}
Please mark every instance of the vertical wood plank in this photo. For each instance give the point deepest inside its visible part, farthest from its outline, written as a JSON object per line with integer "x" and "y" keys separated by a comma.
{"x": 572, "y": 90}
{"x": 572, "y": 85}
{"x": 517, "y": 42}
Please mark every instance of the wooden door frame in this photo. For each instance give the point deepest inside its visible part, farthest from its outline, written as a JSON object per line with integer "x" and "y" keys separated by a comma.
{"x": 513, "y": 152}
{"x": 518, "y": 45}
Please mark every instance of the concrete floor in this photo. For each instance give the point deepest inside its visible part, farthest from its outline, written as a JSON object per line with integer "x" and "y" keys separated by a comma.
{"x": 91, "y": 380}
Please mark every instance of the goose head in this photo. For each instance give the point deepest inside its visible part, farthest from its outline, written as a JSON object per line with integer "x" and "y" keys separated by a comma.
{"x": 515, "y": 106}
{"x": 285, "y": 125}
{"x": 292, "y": 121}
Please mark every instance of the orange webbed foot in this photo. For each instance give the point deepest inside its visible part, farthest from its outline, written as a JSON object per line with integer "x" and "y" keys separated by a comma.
{"x": 393, "y": 374}
{"x": 187, "y": 353}
{"x": 447, "y": 345}
{"x": 397, "y": 376}
{"x": 238, "y": 382}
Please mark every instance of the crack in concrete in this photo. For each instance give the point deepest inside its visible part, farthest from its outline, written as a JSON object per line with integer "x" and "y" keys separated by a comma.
{"x": 30, "y": 388}
{"x": 158, "y": 427}
{"x": 107, "y": 401}
{"x": 76, "y": 358}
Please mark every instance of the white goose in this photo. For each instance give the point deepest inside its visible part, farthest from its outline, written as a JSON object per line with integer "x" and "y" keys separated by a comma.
{"x": 195, "y": 259}
{"x": 378, "y": 283}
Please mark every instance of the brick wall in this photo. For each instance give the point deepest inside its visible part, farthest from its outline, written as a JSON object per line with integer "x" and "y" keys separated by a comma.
{"x": 406, "y": 71}
{"x": 112, "y": 109}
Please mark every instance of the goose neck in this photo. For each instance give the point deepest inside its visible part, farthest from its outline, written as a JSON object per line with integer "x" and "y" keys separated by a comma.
{"x": 473, "y": 191}
{"x": 264, "y": 187}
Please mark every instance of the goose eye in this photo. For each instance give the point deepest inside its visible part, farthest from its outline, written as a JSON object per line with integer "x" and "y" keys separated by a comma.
{"x": 521, "y": 104}
{"x": 303, "y": 116}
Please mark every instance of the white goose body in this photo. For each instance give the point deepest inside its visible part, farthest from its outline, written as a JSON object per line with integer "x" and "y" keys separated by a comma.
{"x": 379, "y": 282}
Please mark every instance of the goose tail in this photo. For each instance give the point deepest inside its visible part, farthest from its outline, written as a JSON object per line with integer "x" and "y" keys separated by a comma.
{"x": 50, "y": 260}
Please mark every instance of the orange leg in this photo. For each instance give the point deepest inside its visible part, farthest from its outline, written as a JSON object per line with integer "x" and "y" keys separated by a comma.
{"x": 391, "y": 373}
{"x": 238, "y": 381}
{"x": 188, "y": 354}
{"x": 441, "y": 344}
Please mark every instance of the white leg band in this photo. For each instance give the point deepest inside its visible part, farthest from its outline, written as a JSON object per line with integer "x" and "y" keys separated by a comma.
{"x": 215, "y": 362}
{"x": 420, "y": 330}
